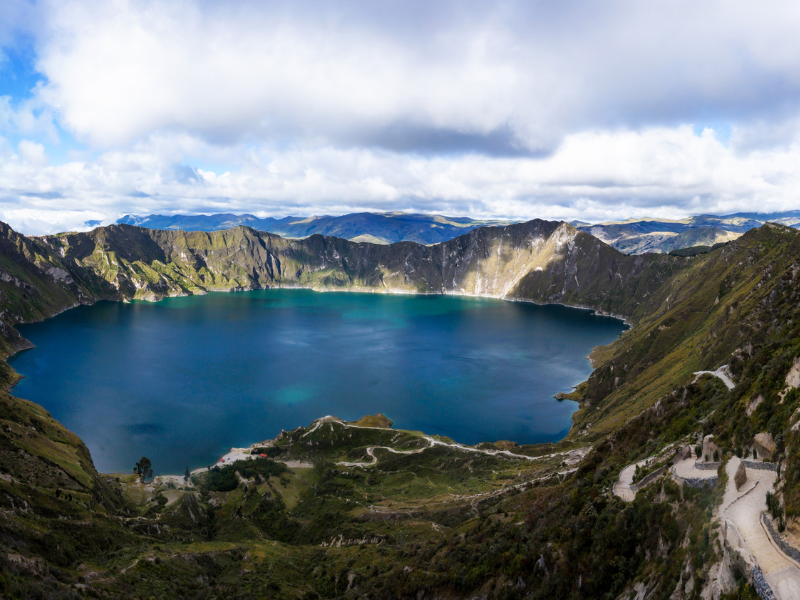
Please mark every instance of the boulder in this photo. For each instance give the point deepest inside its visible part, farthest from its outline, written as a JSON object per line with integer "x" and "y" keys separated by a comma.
{"x": 793, "y": 376}
{"x": 741, "y": 476}
{"x": 754, "y": 404}
{"x": 682, "y": 454}
{"x": 764, "y": 444}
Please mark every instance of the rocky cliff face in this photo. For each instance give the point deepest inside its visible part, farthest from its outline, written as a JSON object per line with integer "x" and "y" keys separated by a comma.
{"x": 539, "y": 261}
{"x": 563, "y": 533}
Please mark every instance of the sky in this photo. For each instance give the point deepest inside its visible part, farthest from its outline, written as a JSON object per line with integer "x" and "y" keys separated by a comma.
{"x": 513, "y": 110}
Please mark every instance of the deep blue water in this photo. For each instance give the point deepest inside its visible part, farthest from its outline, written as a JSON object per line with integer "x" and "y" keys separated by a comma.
{"x": 185, "y": 379}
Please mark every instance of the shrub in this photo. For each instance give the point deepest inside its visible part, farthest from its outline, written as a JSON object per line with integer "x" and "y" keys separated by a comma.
{"x": 223, "y": 479}
{"x": 774, "y": 506}
{"x": 716, "y": 455}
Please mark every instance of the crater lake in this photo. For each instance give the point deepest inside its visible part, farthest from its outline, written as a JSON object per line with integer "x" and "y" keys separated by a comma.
{"x": 183, "y": 380}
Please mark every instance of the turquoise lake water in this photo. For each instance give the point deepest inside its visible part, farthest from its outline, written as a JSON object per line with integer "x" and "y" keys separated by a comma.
{"x": 183, "y": 380}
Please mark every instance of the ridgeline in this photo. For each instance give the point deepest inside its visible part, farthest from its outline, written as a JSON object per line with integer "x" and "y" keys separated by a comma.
{"x": 363, "y": 510}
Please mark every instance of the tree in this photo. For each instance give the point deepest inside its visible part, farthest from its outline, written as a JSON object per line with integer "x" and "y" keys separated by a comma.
{"x": 780, "y": 445}
{"x": 144, "y": 469}
{"x": 186, "y": 475}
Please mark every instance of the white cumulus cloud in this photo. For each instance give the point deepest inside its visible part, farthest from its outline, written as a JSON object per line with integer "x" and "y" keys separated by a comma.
{"x": 515, "y": 109}
{"x": 595, "y": 176}
{"x": 32, "y": 153}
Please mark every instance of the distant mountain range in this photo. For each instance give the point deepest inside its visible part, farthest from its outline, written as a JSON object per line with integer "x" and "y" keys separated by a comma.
{"x": 633, "y": 236}
{"x": 637, "y": 236}
{"x": 376, "y": 228}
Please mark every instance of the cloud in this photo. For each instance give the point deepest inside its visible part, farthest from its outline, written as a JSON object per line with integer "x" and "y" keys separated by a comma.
{"x": 27, "y": 117}
{"x": 594, "y": 176}
{"x": 514, "y": 109}
{"x": 32, "y": 153}
{"x": 412, "y": 75}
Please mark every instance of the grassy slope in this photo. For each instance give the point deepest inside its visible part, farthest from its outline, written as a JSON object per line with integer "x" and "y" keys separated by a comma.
{"x": 539, "y": 260}
{"x": 561, "y": 537}
{"x": 694, "y": 322}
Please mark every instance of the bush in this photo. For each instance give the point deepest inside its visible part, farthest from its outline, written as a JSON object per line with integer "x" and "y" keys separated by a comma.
{"x": 774, "y": 506}
{"x": 261, "y": 466}
{"x": 223, "y": 479}
{"x": 716, "y": 455}
{"x": 698, "y": 450}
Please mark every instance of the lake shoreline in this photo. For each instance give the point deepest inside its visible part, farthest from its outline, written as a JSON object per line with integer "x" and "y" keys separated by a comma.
{"x": 401, "y": 389}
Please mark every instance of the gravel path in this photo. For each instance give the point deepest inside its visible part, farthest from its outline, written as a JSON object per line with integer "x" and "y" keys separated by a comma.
{"x": 744, "y": 509}
{"x": 623, "y": 487}
{"x": 721, "y": 373}
{"x": 686, "y": 469}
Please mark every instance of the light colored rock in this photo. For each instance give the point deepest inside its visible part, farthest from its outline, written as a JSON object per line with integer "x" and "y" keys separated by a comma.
{"x": 753, "y": 405}
{"x": 793, "y": 376}
{"x": 764, "y": 444}
{"x": 741, "y": 476}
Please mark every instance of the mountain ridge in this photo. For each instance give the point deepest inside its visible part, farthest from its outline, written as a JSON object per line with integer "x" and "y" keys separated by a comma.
{"x": 384, "y": 513}
{"x": 631, "y": 236}
{"x": 383, "y": 228}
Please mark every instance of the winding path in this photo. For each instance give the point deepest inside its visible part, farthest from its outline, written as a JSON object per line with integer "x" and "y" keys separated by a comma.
{"x": 686, "y": 469}
{"x": 623, "y": 486}
{"x": 576, "y": 455}
{"x": 743, "y": 509}
{"x": 721, "y": 373}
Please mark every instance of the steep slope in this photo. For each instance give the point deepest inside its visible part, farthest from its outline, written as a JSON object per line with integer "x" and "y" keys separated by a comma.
{"x": 723, "y": 302}
{"x": 640, "y": 238}
{"x": 391, "y": 514}
{"x": 539, "y": 261}
{"x": 633, "y": 236}
{"x": 34, "y": 284}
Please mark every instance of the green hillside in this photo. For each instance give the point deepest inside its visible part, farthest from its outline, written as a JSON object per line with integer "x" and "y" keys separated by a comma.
{"x": 355, "y": 510}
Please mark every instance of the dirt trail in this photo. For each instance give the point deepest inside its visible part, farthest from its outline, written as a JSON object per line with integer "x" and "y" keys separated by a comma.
{"x": 623, "y": 487}
{"x": 743, "y": 508}
{"x": 721, "y": 373}
{"x": 687, "y": 470}
{"x": 575, "y": 456}
{"x": 434, "y": 442}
